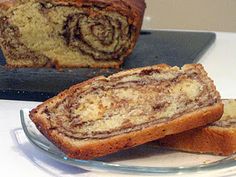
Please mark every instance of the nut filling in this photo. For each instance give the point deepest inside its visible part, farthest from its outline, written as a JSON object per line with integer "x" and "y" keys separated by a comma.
{"x": 119, "y": 105}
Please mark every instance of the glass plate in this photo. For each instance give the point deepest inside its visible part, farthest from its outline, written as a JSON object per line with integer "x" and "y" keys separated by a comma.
{"x": 145, "y": 159}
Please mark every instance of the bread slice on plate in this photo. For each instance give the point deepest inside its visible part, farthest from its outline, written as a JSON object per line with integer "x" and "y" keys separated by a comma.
{"x": 107, "y": 114}
{"x": 217, "y": 138}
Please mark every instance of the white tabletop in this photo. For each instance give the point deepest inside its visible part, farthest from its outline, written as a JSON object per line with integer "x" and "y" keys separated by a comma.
{"x": 21, "y": 159}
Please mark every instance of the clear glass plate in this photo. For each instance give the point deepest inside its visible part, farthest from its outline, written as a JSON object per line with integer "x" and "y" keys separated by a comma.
{"x": 145, "y": 159}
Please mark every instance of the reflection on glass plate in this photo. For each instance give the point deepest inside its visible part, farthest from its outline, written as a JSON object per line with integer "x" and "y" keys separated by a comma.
{"x": 147, "y": 158}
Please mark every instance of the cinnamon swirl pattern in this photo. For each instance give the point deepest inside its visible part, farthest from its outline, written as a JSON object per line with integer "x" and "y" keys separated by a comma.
{"x": 91, "y": 33}
{"x": 107, "y": 114}
{"x": 102, "y": 37}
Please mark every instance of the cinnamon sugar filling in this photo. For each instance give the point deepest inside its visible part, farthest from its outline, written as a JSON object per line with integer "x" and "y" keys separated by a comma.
{"x": 125, "y": 104}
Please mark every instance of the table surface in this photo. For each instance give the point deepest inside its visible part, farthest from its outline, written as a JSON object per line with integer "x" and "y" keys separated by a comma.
{"x": 20, "y": 158}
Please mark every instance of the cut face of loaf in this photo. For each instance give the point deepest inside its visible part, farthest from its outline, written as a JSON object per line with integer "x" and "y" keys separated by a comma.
{"x": 217, "y": 138}
{"x": 89, "y": 33}
{"x": 105, "y": 115}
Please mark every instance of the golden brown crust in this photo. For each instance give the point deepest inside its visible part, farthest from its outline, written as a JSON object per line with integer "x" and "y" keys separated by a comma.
{"x": 7, "y": 4}
{"x": 219, "y": 141}
{"x": 89, "y": 149}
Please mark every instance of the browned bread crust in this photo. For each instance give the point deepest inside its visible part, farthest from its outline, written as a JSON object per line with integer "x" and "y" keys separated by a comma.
{"x": 5, "y": 5}
{"x": 95, "y": 147}
{"x": 102, "y": 49}
{"x": 217, "y": 138}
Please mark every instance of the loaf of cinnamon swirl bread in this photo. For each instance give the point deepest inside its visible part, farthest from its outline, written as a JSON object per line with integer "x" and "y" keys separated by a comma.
{"x": 217, "y": 138}
{"x": 107, "y": 114}
{"x": 69, "y": 33}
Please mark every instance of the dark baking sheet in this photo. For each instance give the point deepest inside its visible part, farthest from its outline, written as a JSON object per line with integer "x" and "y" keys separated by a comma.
{"x": 153, "y": 47}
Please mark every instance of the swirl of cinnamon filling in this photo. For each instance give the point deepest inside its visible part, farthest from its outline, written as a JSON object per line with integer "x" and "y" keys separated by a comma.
{"x": 102, "y": 36}
{"x": 109, "y": 108}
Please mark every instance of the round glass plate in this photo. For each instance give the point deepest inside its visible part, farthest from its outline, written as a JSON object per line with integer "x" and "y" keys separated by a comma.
{"x": 145, "y": 159}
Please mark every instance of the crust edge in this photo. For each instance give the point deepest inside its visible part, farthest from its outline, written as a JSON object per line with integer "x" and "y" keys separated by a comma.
{"x": 212, "y": 140}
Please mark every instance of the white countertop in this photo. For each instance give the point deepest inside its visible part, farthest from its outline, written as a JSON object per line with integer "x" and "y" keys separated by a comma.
{"x": 21, "y": 159}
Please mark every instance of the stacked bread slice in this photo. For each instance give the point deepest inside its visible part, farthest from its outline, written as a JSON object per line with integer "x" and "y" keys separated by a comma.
{"x": 217, "y": 138}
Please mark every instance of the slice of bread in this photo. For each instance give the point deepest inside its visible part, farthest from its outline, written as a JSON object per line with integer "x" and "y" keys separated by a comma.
{"x": 107, "y": 114}
{"x": 217, "y": 138}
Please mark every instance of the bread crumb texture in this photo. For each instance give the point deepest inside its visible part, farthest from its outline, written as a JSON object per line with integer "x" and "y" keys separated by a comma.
{"x": 67, "y": 35}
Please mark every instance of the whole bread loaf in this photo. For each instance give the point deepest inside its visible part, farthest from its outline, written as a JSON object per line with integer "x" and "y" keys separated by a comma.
{"x": 69, "y": 33}
{"x": 107, "y": 114}
{"x": 217, "y": 138}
